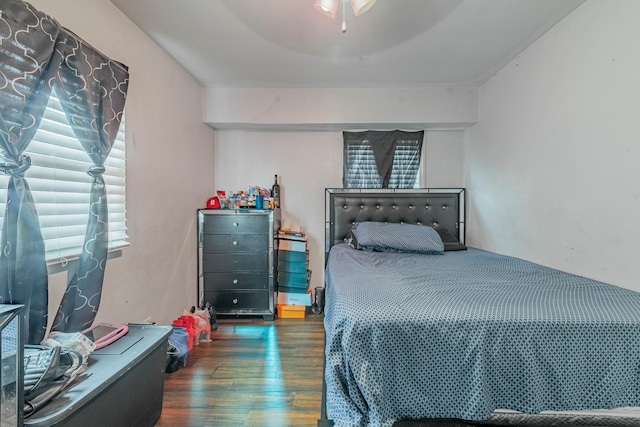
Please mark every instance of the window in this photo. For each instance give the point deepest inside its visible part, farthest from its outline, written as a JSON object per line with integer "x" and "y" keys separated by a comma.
{"x": 382, "y": 159}
{"x": 60, "y": 185}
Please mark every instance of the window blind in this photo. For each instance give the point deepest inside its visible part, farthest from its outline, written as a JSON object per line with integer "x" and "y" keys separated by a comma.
{"x": 406, "y": 165}
{"x": 361, "y": 170}
{"x": 60, "y": 185}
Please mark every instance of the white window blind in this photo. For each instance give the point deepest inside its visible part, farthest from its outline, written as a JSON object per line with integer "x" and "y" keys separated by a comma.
{"x": 406, "y": 166}
{"x": 61, "y": 187}
{"x": 362, "y": 171}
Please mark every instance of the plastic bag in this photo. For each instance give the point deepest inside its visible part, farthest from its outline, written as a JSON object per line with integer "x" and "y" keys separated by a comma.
{"x": 74, "y": 341}
{"x": 203, "y": 320}
{"x": 180, "y": 340}
{"x": 202, "y": 327}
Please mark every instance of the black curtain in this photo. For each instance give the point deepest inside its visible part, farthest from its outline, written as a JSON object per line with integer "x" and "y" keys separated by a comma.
{"x": 28, "y": 46}
{"x": 92, "y": 91}
{"x": 36, "y": 54}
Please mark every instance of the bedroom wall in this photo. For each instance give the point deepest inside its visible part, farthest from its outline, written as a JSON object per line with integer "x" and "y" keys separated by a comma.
{"x": 309, "y": 162}
{"x": 169, "y": 174}
{"x": 297, "y": 134}
{"x": 552, "y": 165}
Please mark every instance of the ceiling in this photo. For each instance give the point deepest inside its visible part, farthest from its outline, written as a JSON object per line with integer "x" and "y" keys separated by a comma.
{"x": 397, "y": 43}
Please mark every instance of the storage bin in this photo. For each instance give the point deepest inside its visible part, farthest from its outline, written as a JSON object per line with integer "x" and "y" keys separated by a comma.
{"x": 293, "y": 266}
{"x": 293, "y": 256}
{"x": 293, "y": 279}
{"x": 286, "y": 311}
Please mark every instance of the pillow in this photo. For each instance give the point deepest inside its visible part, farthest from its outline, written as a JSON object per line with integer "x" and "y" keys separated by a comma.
{"x": 385, "y": 237}
{"x": 450, "y": 242}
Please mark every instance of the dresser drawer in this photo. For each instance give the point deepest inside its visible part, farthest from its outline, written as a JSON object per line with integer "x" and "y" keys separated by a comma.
{"x": 228, "y": 262}
{"x": 238, "y": 300}
{"x": 235, "y": 281}
{"x": 235, "y": 224}
{"x": 236, "y": 243}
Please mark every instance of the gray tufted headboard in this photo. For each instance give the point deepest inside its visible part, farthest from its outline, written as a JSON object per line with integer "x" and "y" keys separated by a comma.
{"x": 432, "y": 206}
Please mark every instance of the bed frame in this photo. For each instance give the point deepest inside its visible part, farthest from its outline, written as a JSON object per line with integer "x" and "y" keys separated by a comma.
{"x": 346, "y": 206}
{"x": 433, "y": 206}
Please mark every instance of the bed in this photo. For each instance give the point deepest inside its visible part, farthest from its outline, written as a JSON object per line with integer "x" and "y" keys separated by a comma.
{"x": 420, "y": 334}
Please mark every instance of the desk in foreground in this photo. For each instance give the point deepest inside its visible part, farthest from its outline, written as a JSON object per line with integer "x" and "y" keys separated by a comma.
{"x": 123, "y": 385}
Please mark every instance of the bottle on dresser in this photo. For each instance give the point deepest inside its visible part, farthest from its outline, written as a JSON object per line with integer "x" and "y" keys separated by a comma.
{"x": 275, "y": 193}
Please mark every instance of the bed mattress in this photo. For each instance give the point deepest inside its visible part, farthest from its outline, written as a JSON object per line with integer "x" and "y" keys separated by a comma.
{"x": 461, "y": 334}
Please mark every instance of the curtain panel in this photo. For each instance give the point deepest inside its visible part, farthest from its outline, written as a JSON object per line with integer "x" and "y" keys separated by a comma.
{"x": 381, "y": 159}
{"x": 92, "y": 91}
{"x": 36, "y": 54}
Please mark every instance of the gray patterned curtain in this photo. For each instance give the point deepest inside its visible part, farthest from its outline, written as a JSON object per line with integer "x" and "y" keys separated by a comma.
{"x": 36, "y": 53}
{"x": 92, "y": 90}
{"x": 26, "y": 49}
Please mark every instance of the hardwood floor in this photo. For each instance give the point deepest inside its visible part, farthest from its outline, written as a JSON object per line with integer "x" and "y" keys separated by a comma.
{"x": 253, "y": 373}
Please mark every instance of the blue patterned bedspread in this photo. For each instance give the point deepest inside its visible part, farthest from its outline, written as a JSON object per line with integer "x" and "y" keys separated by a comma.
{"x": 460, "y": 334}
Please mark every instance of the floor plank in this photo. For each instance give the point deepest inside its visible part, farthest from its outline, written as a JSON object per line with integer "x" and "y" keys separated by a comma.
{"x": 253, "y": 373}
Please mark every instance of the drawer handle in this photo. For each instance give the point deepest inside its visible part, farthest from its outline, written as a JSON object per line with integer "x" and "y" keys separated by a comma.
{"x": 235, "y": 243}
{"x": 235, "y": 224}
{"x": 235, "y": 281}
{"x": 235, "y": 300}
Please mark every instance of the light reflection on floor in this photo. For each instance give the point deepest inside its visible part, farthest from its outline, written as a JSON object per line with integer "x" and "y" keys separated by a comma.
{"x": 268, "y": 392}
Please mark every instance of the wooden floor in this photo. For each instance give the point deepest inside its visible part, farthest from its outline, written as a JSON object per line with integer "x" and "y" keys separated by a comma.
{"x": 253, "y": 373}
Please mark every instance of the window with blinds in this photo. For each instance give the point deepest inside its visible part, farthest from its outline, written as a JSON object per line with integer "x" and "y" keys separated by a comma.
{"x": 406, "y": 165}
{"x": 361, "y": 170}
{"x": 60, "y": 186}
{"x": 381, "y": 159}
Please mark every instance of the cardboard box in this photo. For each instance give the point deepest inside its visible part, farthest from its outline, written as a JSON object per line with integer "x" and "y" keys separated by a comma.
{"x": 294, "y": 298}
{"x": 286, "y": 311}
{"x": 292, "y": 245}
{"x": 293, "y": 290}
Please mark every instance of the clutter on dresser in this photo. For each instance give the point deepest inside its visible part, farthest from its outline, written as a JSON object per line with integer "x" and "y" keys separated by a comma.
{"x": 255, "y": 197}
{"x": 275, "y": 193}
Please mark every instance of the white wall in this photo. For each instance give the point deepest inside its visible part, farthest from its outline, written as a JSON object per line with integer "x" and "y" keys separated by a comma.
{"x": 552, "y": 165}
{"x": 309, "y": 162}
{"x": 341, "y": 108}
{"x": 169, "y": 169}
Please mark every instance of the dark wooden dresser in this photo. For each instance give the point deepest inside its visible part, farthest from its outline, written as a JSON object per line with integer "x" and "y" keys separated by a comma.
{"x": 237, "y": 260}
